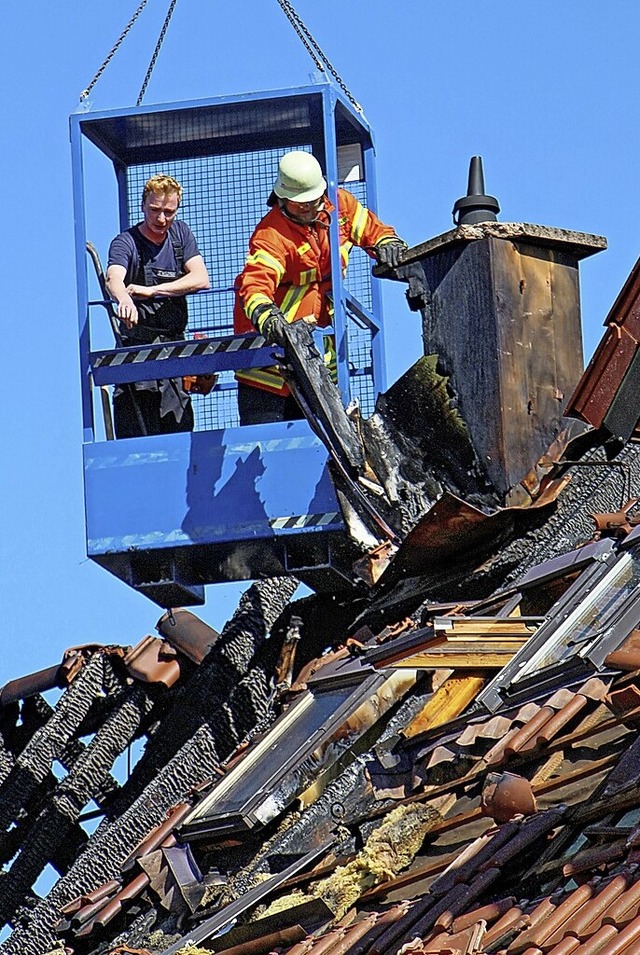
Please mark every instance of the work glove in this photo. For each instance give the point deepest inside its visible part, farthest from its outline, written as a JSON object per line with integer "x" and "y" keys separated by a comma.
{"x": 388, "y": 252}
{"x": 271, "y": 324}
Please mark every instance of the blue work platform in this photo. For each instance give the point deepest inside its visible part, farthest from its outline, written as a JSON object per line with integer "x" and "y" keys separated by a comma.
{"x": 169, "y": 514}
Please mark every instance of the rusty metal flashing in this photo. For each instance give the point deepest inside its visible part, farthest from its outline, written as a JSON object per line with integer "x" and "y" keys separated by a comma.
{"x": 605, "y": 373}
{"x": 454, "y": 530}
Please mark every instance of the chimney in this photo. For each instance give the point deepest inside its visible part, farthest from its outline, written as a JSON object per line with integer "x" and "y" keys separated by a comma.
{"x": 500, "y": 306}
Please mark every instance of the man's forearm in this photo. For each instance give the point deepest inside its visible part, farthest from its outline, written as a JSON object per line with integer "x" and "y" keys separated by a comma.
{"x": 117, "y": 289}
{"x": 195, "y": 279}
{"x": 182, "y": 286}
{"x": 126, "y": 309}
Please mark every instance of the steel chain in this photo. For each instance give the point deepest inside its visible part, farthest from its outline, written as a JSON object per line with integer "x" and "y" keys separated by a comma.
{"x": 152, "y": 63}
{"x": 313, "y": 48}
{"x": 84, "y": 95}
{"x": 316, "y": 53}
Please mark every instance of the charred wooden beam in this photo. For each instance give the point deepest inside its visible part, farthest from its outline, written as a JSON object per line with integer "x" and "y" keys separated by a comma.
{"x": 57, "y": 820}
{"x": 195, "y": 761}
{"x": 48, "y": 744}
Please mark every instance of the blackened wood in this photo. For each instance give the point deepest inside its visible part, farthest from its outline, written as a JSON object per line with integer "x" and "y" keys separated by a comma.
{"x": 503, "y": 318}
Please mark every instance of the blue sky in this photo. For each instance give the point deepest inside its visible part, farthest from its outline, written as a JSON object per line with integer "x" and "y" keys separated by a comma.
{"x": 546, "y": 92}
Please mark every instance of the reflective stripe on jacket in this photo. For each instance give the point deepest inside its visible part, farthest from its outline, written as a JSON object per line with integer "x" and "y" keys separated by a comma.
{"x": 290, "y": 264}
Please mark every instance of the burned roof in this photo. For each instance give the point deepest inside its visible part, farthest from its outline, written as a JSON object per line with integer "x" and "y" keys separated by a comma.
{"x": 443, "y": 761}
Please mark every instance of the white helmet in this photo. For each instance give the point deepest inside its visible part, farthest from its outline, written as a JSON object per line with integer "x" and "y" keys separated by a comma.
{"x": 299, "y": 178}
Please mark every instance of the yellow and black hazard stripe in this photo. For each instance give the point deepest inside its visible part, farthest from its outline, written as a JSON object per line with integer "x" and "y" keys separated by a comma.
{"x": 161, "y": 351}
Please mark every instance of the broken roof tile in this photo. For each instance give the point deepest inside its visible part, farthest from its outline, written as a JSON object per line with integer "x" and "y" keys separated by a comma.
{"x": 627, "y": 655}
{"x": 153, "y": 661}
{"x": 624, "y": 701}
{"x": 507, "y": 795}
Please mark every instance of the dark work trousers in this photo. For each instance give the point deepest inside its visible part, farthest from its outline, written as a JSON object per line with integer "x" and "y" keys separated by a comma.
{"x": 257, "y": 406}
{"x": 125, "y": 419}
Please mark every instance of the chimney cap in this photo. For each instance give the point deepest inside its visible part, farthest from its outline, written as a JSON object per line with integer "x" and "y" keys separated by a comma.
{"x": 475, "y": 206}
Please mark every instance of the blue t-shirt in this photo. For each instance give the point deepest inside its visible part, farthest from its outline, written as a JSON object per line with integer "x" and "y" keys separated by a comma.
{"x": 149, "y": 264}
{"x": 123, "y": 251}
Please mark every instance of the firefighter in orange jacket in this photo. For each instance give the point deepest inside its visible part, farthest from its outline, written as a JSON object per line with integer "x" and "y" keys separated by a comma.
{"x": 287, "y": 275}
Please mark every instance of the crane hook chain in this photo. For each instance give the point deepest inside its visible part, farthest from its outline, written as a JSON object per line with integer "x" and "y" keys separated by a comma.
{"x": 152, "y": 62}
{"x": 319, "y": 58}
{"x": 314, "y": 50}
{"x": 84, "y": 95}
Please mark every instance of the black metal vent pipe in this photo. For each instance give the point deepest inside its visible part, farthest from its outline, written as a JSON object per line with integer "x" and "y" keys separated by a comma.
{"x": 475, "y": 206}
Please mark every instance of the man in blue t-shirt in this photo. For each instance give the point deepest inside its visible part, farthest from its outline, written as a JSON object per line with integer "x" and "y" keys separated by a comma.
{"x": 151, "y": 267}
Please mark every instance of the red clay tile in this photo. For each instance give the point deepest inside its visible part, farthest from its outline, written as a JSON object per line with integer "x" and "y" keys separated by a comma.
{"x": 114, "y": 906}
{"x": 627, "y": 942}
{"x": 624, "y": 702}
{"x": 301, "y": 948}
{"x": 624, "y": 907}
{"x": 567, "y": 946}
{"x": 454, "y": 903}
{"x": 506, "y": 924}
{"x": 545, "y": 929}
{"x": 544, "y": 909}
{"x": 496, "y": 755}
{"x": 351, "y": 935}
{"x": 594, "y": 944}
{"x": 553, "y": 726}
{"x": 481, "y": 850}
{"x": 530, "y": 831}
{"x": 592, "y": 859}
{"x": 153, "y": 660}
{"x": 588, "y": 919}
{"x": 90, "y": 898}
{"x": 390, "y": 936}
{"x": 529, "y": 730}
{"x": 271, "y": 943}
{"x": 466, "y": 941}
{"x": 487, "y": 913}
{"x": 187, "y": 633}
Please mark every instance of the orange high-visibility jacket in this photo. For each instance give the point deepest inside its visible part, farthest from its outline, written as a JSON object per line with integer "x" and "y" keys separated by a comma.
{"x": 289, "y": 264}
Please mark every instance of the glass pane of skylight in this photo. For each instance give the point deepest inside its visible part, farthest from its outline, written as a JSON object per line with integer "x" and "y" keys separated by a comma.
{"x": 591, "y": 615}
